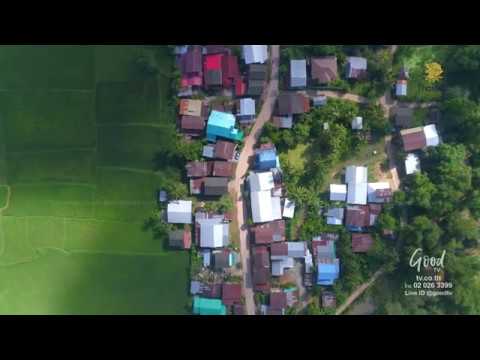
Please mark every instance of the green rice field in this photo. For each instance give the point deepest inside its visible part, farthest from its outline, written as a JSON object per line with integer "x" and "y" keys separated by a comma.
{"x": 78, "y": 134}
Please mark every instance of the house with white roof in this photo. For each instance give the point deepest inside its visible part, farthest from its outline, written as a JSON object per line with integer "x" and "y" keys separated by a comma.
{"x": 179, "y": 212}
{"x": 298, "y": 73}
{"x": 246, "y": 112}
{"x": 379, "y": 192}
{"x": 338, "y": 192}
{"x": 255, "y": 54}
{"x": 279, "y": 266}
{"x": 412, "y": 164}
{"x": 265, "y": 207}
{"x": 357, "y": 193}
{"x": 431, "y": 135}
{"x": 213, "y": 233}
{"x": 288, "y": 209}
{"x": 356, "y": 174}
{"x": 335, "y": 216}
{"x": 357, "y": 123}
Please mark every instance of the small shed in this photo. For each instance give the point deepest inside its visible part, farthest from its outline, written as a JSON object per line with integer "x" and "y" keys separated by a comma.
{"x": 357, "y": 123}
{"x": 288, "y": 209}
{"x": 320, "y": 100}
{"x": 401, "y": 88}
{"x": 338, "y": 192}
{"x": 162, "y": 196}
{"x": 208, "y": 151}
{"x": 412, "y": 164}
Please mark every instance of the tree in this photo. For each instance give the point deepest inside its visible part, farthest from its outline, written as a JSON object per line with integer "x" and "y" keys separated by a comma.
{"x": 224, "y": 204}
{"x": 189, "y": 150}
{"x": 433, "y": 72}
{"x": 462, "y": 227}
{"x": 375, "y": 119}
{"x": 421, "y": 191}
{"x": 422, "y": 233}
{"x": 474, "y": 204}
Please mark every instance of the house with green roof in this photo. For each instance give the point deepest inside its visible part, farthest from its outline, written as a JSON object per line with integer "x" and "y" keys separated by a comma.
{"x": 203, "y": 306}
{"x": 222, "y": 125}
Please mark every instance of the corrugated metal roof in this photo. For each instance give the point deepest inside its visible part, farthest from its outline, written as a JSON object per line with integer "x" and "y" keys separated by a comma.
{"x": 357, "y": 193}
{"x": 356, "y": 174}
{"x": 298, "y": 73}
{"x": 412, "y": 164}
{"x": 255, "y": 53}
{"x": 338, "y": 192}
{"x": 179, "y": 212}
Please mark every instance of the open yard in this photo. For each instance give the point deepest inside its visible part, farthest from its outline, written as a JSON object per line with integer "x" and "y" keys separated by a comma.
{"x": 79, "y": 131}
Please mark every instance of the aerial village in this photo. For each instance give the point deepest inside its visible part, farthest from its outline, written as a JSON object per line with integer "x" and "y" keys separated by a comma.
{"x": 282, "y": 269}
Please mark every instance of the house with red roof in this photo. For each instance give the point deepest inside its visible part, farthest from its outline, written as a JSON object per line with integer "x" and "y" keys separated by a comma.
{"x": 213, "y": 70}
{"x": 230, "y": 70}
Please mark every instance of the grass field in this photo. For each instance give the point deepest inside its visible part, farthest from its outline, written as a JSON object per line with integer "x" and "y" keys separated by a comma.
{"x": 78, "y": 135}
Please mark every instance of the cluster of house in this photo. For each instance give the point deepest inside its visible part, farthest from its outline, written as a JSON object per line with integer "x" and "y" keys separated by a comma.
{"x": 416, "y": 139}
{"x": 214, "y": 67}
{"x": 363, "y": 205}
{"x": 324, "y": 70}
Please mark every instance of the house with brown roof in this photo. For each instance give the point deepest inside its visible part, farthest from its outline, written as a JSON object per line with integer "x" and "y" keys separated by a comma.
{"x": 267, "y": 233}
{"x": 197, "y": 169}
{"x": 324, "y": 69}
{"x": 180, "y": 239}
{"x": 292, "y": 103}
{"x": 224, "y": 150}
{"x": 278, "y": 300}
{"x": 261, "y": 269}
{"x": 413, "y": 139}
{"x": 231, "y": 293}
{"x": 361, "y": 243}
{"x": 196, "y": 186}
{"x": 374, "y": 210}
{"x": 358, "y": 218}
{"x": 223, "y": 169}
{"x": 192, "y": 125}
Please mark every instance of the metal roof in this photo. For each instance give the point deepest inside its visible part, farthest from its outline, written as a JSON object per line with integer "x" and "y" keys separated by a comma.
{"x": 255, "y": 53}
{"x": 356, "y": 174}
{"x": 357, "y": 193}
{"x": 179, "y": 212}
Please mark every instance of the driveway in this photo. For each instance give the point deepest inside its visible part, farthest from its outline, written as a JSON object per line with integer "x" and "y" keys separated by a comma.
{"x": 269, "y": 98}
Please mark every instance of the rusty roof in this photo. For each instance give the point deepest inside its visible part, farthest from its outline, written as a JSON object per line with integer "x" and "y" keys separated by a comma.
{"x": 358, "y": 216}
{"x": 269, "y": 232}
{"x": 222, "y": 168}
{"x": 224, "y": 150}
{"x": 413, "y": 139}
{"x": 361, "y": 242}
{"x": 196, "y": 169}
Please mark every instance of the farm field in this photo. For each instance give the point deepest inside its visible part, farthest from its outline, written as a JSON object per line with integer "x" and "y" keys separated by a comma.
{"x": 79, "y": 130}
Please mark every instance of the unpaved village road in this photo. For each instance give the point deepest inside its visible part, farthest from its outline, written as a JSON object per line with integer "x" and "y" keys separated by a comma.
{"x": 269, "y": 97}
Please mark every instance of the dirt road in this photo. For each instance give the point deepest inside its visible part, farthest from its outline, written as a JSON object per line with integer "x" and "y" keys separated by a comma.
{"x": 269, "y": 97}
{"x": 359, "y": 291}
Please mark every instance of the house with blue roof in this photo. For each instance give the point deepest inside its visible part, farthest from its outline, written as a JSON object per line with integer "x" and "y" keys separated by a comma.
{"x": 204, "y": 306}
{"x": 222, "y": 125}
{"x": 266, "y": 159}
{"x": 327, "y": 272}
